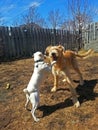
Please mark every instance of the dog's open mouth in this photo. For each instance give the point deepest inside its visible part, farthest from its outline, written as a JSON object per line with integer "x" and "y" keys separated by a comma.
{"x": 54, "y": 56}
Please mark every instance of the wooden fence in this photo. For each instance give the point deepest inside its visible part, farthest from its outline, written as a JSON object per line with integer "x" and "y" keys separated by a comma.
{"x": 90, "y": 37}
{"x": 16, "y": 42}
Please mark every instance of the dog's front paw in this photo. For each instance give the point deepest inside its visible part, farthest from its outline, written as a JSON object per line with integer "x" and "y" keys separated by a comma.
{"x": 77, "y": 104}
{"x": 53, "y": 89}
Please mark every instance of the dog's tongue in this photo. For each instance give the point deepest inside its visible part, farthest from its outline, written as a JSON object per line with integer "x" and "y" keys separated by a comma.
{"x": 54, "y": 58}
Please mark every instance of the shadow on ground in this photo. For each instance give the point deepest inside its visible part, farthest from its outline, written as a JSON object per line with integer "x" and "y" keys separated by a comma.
{"x": 85, "y": 92}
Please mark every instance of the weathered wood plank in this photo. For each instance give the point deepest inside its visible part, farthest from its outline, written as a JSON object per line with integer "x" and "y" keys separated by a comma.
{"x": 23, "y": 42}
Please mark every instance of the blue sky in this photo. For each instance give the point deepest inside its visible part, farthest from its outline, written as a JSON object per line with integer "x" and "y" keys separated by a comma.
{"x": 12, "y": 10}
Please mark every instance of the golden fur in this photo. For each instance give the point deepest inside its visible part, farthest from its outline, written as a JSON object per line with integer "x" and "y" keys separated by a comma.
{"x": 64, "y": 61}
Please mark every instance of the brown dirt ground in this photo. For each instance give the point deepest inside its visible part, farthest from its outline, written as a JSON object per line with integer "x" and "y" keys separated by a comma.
{"x": 56, "y": 110}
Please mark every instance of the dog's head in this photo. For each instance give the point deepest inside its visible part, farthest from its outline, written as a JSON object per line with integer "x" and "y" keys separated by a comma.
{"x": 38, "y": 56}
{"x": 54, "y": 52}
{"x": 48, "y": 50}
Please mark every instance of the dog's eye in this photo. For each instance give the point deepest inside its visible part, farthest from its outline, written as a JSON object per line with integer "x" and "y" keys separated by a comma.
{"x": 36, "y": 66}
{"x": 47, "y": 54}
{"x": 40, "y": 54}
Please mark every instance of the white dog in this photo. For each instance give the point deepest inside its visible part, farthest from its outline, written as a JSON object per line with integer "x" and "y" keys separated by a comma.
{"x": 32, "y": 90}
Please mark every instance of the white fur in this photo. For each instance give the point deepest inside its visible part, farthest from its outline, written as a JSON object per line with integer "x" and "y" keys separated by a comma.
{"x": 32, "y": 90}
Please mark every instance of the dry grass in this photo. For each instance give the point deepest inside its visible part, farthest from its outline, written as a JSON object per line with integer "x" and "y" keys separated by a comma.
{"x": 57, "y": 111}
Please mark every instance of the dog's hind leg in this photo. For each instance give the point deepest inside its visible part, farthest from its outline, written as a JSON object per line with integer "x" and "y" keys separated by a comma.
{"x": 34, "y": 107}
{"x": 27, "y": 101}
{"x": 80, "y": 76}
{"x": 76, "y": 68}
{"x": 73, "y": 91}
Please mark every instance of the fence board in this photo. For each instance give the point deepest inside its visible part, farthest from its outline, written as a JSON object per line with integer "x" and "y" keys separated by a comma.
{"x": 23, "y": 42}
{"x": 90, "y": 37}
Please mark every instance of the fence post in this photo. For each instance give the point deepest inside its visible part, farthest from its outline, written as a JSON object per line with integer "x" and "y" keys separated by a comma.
{"x": 23, "y": 41}
{"x": 54, "y": 32}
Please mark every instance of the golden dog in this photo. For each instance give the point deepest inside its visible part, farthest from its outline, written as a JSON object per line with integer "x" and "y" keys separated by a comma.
{"x": 64, "y": 61}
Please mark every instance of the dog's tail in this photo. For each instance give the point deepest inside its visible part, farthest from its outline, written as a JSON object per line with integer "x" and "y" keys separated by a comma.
{"x": 26, "y": 91}
{"x": 85, "y": 55}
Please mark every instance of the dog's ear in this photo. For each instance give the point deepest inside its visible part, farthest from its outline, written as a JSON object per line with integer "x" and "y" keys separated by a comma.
{"x": 46, "y": 53}
{"x": 61, "y": 48}
{"x": 47, "y": 50}
{"x": 33, "y": 56}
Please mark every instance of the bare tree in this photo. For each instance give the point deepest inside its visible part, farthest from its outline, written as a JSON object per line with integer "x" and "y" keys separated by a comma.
{"x": 79, "y": 14}
{"x": 33, "y": 17}
{"x": 55, "y": 18}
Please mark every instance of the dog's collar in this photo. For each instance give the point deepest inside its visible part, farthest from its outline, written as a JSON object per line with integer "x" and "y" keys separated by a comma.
{"x": 39, "y": 61}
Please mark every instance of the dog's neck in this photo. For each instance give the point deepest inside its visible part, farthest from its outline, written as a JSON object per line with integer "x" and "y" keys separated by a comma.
{"x": 39, "y": 61}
